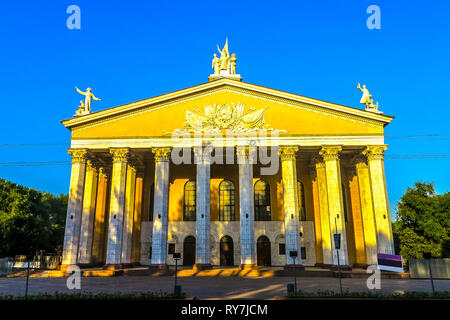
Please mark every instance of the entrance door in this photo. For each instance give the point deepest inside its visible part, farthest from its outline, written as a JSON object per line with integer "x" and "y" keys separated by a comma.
{"x": 226, "y": 251}
{"x": 263, "y": 251}
{"x": 189, "y": 251}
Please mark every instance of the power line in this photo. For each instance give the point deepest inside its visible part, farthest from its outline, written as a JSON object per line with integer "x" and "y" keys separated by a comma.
{"x": 34, "y": 163}
{"x": 418, "y": 156}
{"x": 59, "y": 163}
{"x": 32, "y": 144}
{"x": 422, "y": 137}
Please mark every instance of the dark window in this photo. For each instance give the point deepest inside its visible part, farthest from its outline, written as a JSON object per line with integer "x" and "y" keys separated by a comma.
{"x": 262, "y": 201}
{"x": 171, "y": 248}
{"x": 152, "y": 199}
{"x": 226, "y": 201}
{"x": 281, "y": 248}
{"x": 301, "y": 201}
{"x": 189, "y": 212}
{"x": 303, "y": 252}
{"x": 344, "y": 202}
{"x": 150, "y": 252}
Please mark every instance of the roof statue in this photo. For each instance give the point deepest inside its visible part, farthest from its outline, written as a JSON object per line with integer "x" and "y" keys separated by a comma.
{"x": 366, "y": 100}
{"x": 85, "y": 108}
{"x": 225, "y": 66}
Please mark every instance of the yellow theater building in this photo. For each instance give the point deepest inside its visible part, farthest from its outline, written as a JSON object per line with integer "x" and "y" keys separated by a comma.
{"x": 227, "y": 173}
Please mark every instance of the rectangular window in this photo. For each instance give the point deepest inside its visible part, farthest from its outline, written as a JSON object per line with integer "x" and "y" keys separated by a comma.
{"x": 303, "y": 251}
{"x": 171, "y": 248}
{"x": 281, "y": 249}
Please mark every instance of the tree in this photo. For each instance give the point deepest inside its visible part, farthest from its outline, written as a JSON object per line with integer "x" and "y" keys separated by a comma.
{"x": 423, "y": 222}
{"x": 30, "y": 220}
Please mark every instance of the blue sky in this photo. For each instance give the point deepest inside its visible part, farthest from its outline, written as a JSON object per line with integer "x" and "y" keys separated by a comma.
{"x": 130, "y": 50}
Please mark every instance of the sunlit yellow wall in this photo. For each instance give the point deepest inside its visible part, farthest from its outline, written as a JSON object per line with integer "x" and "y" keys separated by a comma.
{"x": 153, "y": 122}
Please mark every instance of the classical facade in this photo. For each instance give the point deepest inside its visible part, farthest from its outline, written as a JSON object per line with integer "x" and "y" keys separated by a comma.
{"x": 227, "y": 173}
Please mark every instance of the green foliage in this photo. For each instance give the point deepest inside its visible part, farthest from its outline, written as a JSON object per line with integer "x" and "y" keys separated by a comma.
{"x": 30, "y": 220}
{"x": 97, "y": 296}
{"x": 371, "y": 295}
{"x": 423, "y": 223}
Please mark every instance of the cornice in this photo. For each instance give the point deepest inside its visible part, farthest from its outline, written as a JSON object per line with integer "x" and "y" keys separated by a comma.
{"x": 212, "y": 87}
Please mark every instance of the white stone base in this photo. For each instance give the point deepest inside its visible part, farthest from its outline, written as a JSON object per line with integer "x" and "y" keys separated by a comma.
{"x": 228, "y": 76}
{"x": 274, "y": 230}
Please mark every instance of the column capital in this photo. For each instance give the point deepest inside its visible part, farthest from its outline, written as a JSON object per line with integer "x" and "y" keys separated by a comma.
{"x": 104, "y": 172}
{"x": 78, "y": 155}
{"x": 359, "y": 161}
{"x": 162, "y": 154}
{"x": 120, "y": 154}
{"x": 202, "y": 154}
{"x": 287, "y": 153}
{"x": 246, "y": 154}
{"x": 317, "y": 161}
{"x": 330, "y": 153}
{"x": 140, "y": 171}
{"x": 93, "y": 163}
{"x": 375, "y": 152}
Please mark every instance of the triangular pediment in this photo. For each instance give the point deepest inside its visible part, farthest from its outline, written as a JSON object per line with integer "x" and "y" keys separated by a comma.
{"x": 292, "y": 114}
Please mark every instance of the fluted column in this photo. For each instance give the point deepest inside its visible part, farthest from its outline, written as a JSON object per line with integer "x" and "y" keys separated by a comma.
{"x": 385, "y": 241}
{"x": 101, "y": 216}
{"x": 74, "y": 207}
{"x": 88, "y": 215}
{"x": 203, "y": 190}
{"x": 246, "y": 207}
{"x": 160, "y": 207}
{"x": 330, "y": 155}
{"x": 290, "y": 203}
{"x": 117, "y": 205}
{"x": 136, "y": 246}
{"x": 128, "y": 220}
{"x": 327, "y": 250}
{"x": 355, "y": 221}
{"x": 368, "y": 218}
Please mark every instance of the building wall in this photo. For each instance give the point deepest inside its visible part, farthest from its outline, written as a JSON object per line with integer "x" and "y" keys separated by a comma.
{"x": 274, "y": 230}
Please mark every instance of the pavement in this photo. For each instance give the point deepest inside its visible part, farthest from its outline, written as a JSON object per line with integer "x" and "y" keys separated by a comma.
{"x": 212, "y": 287}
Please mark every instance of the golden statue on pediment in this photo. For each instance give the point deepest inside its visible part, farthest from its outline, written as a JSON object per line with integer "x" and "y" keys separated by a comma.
{"x": 226, "y": 64}
{"x": 367, "y": 101}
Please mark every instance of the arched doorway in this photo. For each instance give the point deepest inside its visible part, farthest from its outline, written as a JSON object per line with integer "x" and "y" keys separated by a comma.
{"x": 226, "y": 251}
{"x": 263, "y": 251}
{"x": 189, "y": 251}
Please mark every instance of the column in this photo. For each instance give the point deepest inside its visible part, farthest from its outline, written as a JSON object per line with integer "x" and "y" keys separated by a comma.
{"x": 316, "y": 203}
{"x": 330, "y": 155}
{"x": 88, "y": 213}
{"x": 74, "y": 207}
{"x": 290, "y": 203}
{"x": 246, "y": 210}
{"x": 101, "y": 216}
{"x": 327, "y": 251}
{"x": 368, "y": 218}
{"x": 385, "y": 241}
{"x": 128, "y": 219}
{"x": 355, "y": 223}
{"x": 136, "y": 245}
{"x": 160, "y": 207}
{"x": 203, "y": 190}
{"x": 117, "y": 205}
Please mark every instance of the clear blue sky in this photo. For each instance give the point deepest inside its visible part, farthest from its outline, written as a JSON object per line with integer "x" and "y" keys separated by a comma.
{"x": 130, "y": 50}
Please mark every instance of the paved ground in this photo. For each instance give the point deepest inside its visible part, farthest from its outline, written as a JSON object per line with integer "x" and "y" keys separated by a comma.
{"x": 211, "y": 287}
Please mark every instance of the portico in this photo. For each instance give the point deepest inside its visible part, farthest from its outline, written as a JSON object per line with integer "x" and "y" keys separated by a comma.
{"x": 227, "y": 173}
